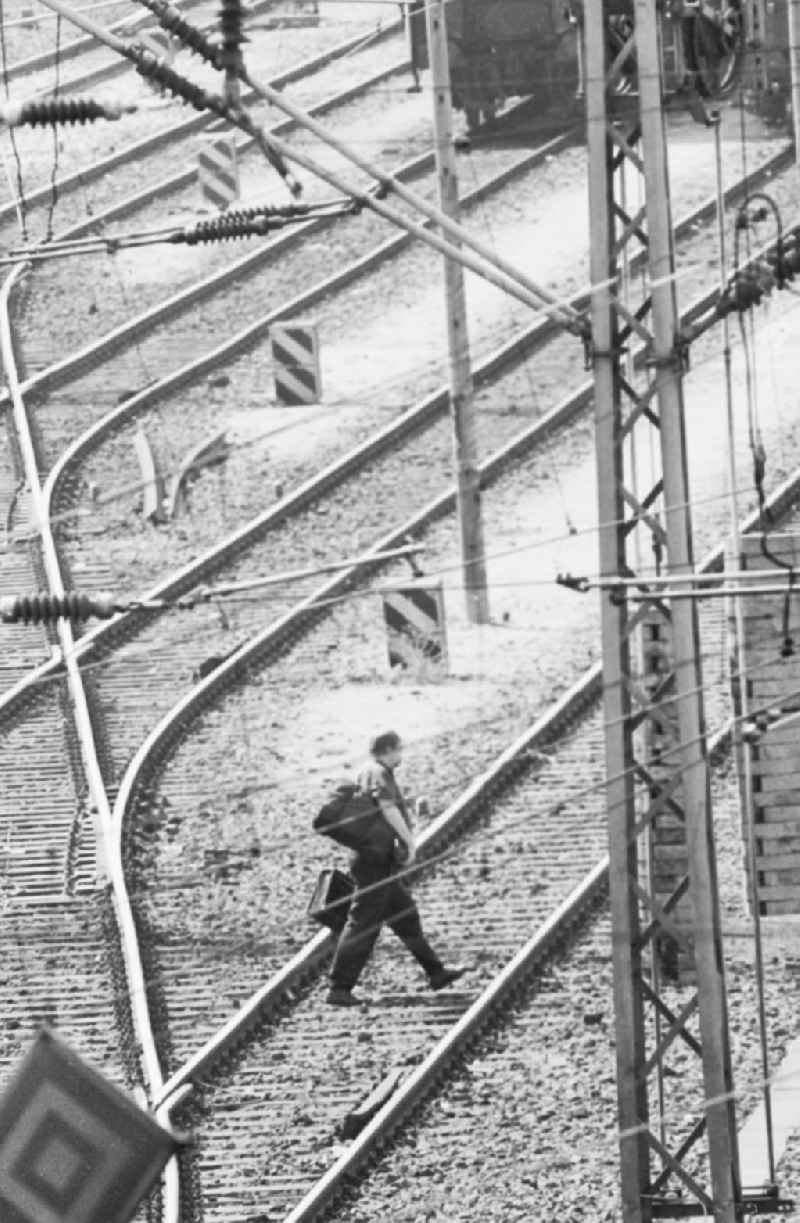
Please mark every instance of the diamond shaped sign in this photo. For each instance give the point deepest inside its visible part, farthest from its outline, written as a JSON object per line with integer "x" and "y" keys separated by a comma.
{"x": 73, "y": 1147}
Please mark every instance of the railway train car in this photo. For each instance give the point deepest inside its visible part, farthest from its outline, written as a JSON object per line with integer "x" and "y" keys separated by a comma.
{"x": 500, "y": 49}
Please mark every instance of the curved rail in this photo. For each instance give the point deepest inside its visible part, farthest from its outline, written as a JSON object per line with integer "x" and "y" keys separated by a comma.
{"x": 447, "y": 825}
{"x": 186, "y": 709}
{"x": 424, "y": 1080}
{"x": 439, "y": 833}
{"x": 110, "y": 867}
{"x": 77, "y": 46}
{"x": 379, "y": 443}
{"x": 174, "y": 132}
{"x": 54, "y": 375}
{"x": 70, "y": 366}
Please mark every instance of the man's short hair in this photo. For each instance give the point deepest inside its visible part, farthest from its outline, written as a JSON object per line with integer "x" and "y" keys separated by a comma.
{"x": 386, "y": 741}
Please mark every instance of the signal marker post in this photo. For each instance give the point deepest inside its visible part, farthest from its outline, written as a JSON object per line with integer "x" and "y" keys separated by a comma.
{"x": 461, "y": 397}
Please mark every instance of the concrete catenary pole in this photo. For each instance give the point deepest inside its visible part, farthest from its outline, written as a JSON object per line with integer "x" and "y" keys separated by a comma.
{"x": 794, "y": 65}
{"x": 668, "y": 364}
{"x": 462, "y": 401}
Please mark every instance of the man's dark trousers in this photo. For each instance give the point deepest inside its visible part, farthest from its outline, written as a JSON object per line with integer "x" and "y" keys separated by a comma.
{"x": 384, "y": 898}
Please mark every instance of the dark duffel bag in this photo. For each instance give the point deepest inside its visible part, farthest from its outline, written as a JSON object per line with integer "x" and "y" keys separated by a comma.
{"x": 330, "y": 901}
{"x": 353, "y": 819}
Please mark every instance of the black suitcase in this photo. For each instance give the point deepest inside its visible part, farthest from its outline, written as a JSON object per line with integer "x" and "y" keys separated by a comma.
{"x": 330, "y": 901}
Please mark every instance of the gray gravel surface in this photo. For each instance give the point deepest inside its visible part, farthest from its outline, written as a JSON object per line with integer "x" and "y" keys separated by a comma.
{"x": 270, "y": 54}
{"x": 24, "y": 41}
{"x": 60, "y": 962}
{"x": 68, "y": 300}
{"x": 255, "y": 725}
{"x": 71, "y": 60}
{"x": 369, "y": 392}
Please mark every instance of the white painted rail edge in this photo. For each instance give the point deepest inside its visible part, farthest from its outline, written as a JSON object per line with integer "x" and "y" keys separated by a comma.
{"x": 111, "y": 863}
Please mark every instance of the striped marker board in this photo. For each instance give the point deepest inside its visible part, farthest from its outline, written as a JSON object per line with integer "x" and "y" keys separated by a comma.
{"x": 218, "y": 171}
{"x": 415, "y": 626}
{"x": 295, "y": 363}
{"x": 73, "y": 1148}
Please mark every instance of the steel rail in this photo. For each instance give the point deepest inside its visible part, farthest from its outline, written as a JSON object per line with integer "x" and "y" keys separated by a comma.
{"x": 446, "y": 826}
{"x": 334, "y": 473}
{"x": 110, "y": 868}
{"x": 437, "y": 836}
{"x": 178, "y": 131}
{"x": 55, "y": 374}
{"x": 482, "y": 1012}
{"x": 424, "y": 1080}
{"x": 112, "y": 67}
{"x": 240, "y": 656}
{"x": 77, "y": 46}
{"x": 448, "y": 237}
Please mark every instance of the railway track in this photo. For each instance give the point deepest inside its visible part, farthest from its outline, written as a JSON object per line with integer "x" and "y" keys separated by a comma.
{"x": 141, "y": 148}
{"x": 227, "y": 299}
{"x": 153, "y": 820}
{"x": 117, "y": 692}
{"x": 63, "y": 412}
{"x": 525, "y": 843}
{"x": 96, "y": 63}
{"x": 117, "y": 17}
{"x": 277, "y": 534}
{"x": 286, "y": 534}
{"x": 525, "y": 838}
{"x": 70, "y": 954}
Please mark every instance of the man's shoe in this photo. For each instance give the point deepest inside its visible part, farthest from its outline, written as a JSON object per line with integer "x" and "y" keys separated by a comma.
{"x": 444, "y": 977}
{"x": 341, "y": 997}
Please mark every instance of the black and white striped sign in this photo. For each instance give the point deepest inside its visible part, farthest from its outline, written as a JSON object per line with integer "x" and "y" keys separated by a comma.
{"x": 73, "y": 1148}
{"x": 295, "y": 363}
{"x": 415, "y": 626}
{"x": 218, "y": 171}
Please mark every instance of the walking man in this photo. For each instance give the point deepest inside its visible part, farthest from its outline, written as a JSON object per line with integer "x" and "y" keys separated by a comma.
{"x": 381, "y": 896}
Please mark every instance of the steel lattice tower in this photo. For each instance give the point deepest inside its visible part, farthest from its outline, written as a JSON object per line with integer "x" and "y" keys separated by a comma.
{"x": 654, "y": 731}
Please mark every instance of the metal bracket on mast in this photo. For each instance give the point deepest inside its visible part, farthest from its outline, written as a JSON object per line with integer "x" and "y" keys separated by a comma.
{"x": 664, "y": 903}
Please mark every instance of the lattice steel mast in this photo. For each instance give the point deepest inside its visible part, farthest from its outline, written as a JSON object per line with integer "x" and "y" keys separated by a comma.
{"x": 664, "y": 774}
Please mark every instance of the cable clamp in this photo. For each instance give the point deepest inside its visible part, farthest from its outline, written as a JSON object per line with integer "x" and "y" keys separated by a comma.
{"x": 581, "y": 584}
{"x": 677, "y": 359}
{"x": 591, "y": 353}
